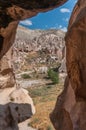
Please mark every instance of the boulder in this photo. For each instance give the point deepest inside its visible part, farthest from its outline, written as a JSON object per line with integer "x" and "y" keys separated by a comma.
{"x": 15, "y": 106}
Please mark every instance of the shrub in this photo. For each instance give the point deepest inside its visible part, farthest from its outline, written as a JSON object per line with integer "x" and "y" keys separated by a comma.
{"x": 25, "y": 76}
{"x": 49, "y": 128}
{"x": 54, "y": 76}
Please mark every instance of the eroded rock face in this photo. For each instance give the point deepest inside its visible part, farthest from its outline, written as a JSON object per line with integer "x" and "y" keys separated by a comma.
{"x": 46, "y": 45}
{"x": 15, "y": 103}
{"x": 12, "y": 113}
{"x": 21, "y": 106}
{"x": 13, "y": 11}
{"x": 70, "y": 109}
{"x": 7, "y": 77}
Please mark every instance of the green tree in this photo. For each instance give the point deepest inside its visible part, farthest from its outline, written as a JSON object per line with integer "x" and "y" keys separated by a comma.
{"x": 25, "y": 76}
{"x": 54, "y": 76}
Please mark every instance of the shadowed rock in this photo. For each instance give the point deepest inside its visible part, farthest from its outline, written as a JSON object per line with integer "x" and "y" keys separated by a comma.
{"x": 12, "y": 113}
{"x": 10, "y": 14}
{"x": 13, "y": 11}
{"x": 70, "y": 109}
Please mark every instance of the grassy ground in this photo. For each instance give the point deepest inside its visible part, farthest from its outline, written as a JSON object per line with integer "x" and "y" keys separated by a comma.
{"x": 44, "y": 98}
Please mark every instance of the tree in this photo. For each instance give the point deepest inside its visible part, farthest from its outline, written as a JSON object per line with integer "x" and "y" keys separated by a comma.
{"x": 54, "y": 76}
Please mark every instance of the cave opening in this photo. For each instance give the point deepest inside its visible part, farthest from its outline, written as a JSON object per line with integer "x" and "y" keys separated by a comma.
{"x": 69, "y": 111}
{"x": 39, "y": 51}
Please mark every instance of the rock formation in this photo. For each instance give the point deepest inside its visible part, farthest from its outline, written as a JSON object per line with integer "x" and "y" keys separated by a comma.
{"x": 15, "y": 104}
{"x": 13, "y": 11}
{"x": 70, "y": 109}
{"x": 33, "y": 47}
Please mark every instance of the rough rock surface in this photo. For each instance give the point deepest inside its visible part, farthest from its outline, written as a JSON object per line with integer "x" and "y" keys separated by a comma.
{"x": 10, "y": 13}
{"x": 70, "y": 109}
{"x": 11, "y": 114}
{"x": 15, "y": 103}
{"x": 33, "y": 47}
{"x": 7, "y": 78}
{"x": 13, "y": 11}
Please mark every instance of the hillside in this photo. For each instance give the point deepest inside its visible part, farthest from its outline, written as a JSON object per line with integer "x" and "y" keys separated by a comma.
{"x": 36, "y": 55}
{"x": 36, "y": 48}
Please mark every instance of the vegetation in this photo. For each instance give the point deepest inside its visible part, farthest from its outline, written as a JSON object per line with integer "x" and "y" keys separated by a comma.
{"x": 44, "y": 98}
{"x": 54, "y": 76}
{"x": 49, "y": 128}
{"x": 25, "y": 76}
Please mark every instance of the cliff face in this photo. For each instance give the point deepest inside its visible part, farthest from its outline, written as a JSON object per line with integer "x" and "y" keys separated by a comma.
{"x": 15, "y": 104}
{"x": 13, "y": 11}
{"x": 70, "y": 109}
{"x": 34, "y": 48}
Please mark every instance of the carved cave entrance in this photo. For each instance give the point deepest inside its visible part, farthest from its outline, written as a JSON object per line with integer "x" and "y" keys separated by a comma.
{"x": 70, "y": 109}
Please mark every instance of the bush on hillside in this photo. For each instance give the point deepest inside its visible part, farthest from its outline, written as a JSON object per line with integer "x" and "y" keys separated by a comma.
{"x": 25, "y": 76}
{"x": 54, "y": 76}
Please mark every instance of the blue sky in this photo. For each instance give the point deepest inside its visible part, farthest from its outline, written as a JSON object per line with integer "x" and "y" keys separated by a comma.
{"x": 54, "y": 19}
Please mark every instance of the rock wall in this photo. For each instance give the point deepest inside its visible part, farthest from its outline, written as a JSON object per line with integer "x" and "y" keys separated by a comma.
{"x": 70, "y": 109}
{"x": 46, "y": 45}
{"x": 13, "y": 11}
{"x": 15, "y": 104}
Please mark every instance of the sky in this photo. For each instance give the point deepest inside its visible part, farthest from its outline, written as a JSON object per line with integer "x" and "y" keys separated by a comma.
{"x": 55, "y": 19}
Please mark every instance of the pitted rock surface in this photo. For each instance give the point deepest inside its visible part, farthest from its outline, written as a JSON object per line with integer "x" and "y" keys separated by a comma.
{"x": 10, "y": 13}
{"x": 13, "y": 11}
{"x": 70, "y": 109}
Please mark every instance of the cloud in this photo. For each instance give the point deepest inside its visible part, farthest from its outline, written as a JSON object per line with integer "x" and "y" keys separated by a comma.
{"x": 75, "y": 1}
{"x": 64, "y": 29}
{"x": 60, "y": 26}
{"x": 65, "y": 19}
{"x": 26, "y": 22}
{"x": 65, "y": 10}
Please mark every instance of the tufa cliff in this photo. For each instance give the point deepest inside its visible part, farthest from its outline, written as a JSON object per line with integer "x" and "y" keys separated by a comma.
{"x": 70, "y": 109}
{"x": 34, "y": 48}
{"x": 15, "y": 104}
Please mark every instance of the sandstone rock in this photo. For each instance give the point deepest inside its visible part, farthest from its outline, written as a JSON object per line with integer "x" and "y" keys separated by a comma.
{"x": 7, "y": 78}
{"x": 21, "y": 95}
{"x": 12, "y": 12}
{"x": 15, "y": 103}
{"x": 17, "y": 106}
{"x": 12, "y": 113}
{"x": 32, "y": 47}
{"x": 70, "y": 109}
{"x": 25, "y": 126}
{"x": 7, "y": 81}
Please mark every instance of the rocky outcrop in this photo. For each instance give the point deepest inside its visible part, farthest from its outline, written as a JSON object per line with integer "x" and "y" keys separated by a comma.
{"x": 7, "y": 77}
{"x": 15, "y": 105}
{"x": 34, "y": 47}
{"x": 11, "y": 114}
{"x": 12, "y": 12}
{"x": 34, "y": 40}
{"x": 70, "y": 109}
